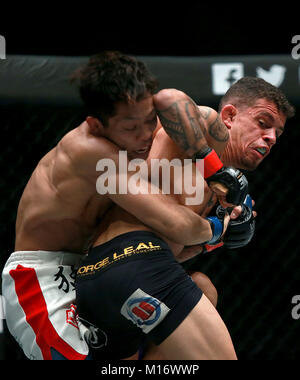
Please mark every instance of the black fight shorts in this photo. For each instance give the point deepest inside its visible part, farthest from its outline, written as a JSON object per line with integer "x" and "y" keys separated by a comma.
{"x": 131, "y": 286}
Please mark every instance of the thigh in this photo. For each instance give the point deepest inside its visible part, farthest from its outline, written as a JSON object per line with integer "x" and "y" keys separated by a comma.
{"x": 207, "y": 287}
{"x": 49, "y": 329}
{"x": 201, "y": 336}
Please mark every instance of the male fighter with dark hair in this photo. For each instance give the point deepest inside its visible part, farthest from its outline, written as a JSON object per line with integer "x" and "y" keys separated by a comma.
{"x": 60, "y": 208}
{"x": 130, "y": 284}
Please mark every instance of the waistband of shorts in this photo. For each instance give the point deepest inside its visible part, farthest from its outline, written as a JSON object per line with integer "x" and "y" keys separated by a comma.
{"x": 129, "y": 238}
{"x": 42, "y": 257}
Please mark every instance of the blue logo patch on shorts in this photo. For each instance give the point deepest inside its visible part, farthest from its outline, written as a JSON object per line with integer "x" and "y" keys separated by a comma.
{"x": 144, "y": 311}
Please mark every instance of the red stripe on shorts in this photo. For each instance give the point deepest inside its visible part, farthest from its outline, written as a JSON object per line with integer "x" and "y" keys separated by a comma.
{"x": 34, "y": 305}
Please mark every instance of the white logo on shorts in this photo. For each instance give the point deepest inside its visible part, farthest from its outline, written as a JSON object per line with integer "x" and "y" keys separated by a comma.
{"x": 95, "y": 337}
{"x": 144, "y": 311}
{"x": 72, "y": 317}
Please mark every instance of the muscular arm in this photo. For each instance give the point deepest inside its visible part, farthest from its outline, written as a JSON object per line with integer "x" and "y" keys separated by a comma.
{"x": 157, "y": 211}
{"x": 192, "y": 128}
{"x": 197, "y": 130}
{"x": 167, "y": 217}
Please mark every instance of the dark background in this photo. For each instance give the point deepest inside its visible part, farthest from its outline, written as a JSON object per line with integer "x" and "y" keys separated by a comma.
{"x": 150, "y": 28}
{"x": 255, "y": 284}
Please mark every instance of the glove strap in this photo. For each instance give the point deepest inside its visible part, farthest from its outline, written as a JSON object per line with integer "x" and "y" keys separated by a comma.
{"x": 217, "y": 229}
{"x": 212, "y": 163}
{"x": 248, "y": 201}
{"x": 209, "y": 248}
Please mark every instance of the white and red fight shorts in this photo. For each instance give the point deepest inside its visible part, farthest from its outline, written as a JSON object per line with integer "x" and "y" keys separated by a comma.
{"x": 39, "y": 293}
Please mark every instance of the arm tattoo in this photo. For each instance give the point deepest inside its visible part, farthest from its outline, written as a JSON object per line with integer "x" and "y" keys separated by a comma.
{"x": 186, "y": 126}
{"x": 194, "y": 121}
{"x": 218, "y": 130}
{"x": 205, "y": 112}
{"x": 172, "y": 123}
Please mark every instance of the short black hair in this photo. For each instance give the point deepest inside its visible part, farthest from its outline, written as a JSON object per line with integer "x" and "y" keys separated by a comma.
{"x": 248, "y": 90}
{"x": 112, "y": 77}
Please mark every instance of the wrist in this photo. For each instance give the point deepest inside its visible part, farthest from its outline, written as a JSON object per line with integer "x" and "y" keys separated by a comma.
{"x": 216, "y": 228}
{"x": 212, "y": 162}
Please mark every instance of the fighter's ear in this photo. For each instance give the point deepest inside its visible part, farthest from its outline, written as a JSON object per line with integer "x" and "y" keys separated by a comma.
{"x": 95, "y": 125}
{"x": 228, "y": 114}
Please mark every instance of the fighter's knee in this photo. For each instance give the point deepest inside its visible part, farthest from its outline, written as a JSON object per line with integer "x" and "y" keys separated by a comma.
{"x": 204, "y": 283}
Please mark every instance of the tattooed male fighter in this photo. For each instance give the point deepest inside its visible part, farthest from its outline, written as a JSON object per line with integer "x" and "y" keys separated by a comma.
{"x": 130, "y": 284}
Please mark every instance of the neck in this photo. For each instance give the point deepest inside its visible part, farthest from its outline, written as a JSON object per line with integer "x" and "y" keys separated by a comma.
{"x": 229, "y": 156}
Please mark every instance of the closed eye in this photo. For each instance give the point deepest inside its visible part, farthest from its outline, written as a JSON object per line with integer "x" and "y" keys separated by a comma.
{"x": 130, "y": 129}
{"x": 262, "y": 123}
{"x": 265, "y": 125}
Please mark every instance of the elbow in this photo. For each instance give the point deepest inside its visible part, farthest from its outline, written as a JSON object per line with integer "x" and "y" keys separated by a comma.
{"x": 166, "y": 97}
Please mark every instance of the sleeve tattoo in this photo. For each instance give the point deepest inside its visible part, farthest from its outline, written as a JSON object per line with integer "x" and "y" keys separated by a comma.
{"x": 173, "y": 125}
{"x": 187, "y": 126}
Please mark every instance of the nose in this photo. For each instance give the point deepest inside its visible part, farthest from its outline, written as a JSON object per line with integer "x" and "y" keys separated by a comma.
{"x": 146, "y": 135}
{"x": 269, "y": 136}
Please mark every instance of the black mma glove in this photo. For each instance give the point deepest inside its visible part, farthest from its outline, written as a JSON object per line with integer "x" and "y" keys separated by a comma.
{"x": 233, "y": 179}
{"x": 241, "y": 230}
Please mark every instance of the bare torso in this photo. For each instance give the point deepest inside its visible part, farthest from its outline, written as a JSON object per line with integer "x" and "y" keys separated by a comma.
{"x": 59, "y": 210}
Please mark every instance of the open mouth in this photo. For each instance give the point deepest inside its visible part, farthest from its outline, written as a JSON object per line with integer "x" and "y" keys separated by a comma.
{"x": 262, "y": 151}
{"x": 142, "y": 151}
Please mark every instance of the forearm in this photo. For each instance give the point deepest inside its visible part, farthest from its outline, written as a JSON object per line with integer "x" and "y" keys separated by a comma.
{"x": 192, "y": 228}
{"x": 159, "y": 212}
{"x": 194, "y": 129}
